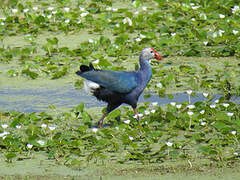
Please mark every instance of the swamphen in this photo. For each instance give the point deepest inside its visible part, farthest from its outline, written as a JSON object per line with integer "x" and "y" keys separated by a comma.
{"x": 117, "y": 87}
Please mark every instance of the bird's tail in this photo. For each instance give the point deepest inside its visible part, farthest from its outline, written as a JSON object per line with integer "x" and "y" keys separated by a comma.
{"x": 90, "y": 87}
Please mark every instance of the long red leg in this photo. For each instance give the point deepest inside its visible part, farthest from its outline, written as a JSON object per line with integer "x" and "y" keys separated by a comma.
{"x": 136, "y": 113}
{"x": 100, "y": 122}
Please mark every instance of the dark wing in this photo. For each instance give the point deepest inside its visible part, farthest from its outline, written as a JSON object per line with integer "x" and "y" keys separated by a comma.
{"x": 118, "y": 81}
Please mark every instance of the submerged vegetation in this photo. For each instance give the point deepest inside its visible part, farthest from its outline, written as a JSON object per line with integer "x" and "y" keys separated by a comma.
{"x": 203, "y": 130}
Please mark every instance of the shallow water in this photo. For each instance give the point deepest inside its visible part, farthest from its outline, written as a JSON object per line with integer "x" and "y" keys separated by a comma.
{"x": 66, "y": 97}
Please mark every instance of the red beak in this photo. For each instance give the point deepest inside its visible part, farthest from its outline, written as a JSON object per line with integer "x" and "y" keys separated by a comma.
{"x": 157, "y": 56}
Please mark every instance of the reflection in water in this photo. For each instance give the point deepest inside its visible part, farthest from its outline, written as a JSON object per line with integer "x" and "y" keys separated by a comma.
{"x": 35, "y": 100}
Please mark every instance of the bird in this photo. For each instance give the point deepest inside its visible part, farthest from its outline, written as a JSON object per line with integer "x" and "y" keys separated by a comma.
{"x": 118, "y": 87}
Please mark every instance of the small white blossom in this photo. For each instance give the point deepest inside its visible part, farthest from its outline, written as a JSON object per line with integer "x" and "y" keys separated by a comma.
{"x": 195, "y": 7}
{"x": 41, "y": 142}
{"x": 205, "y": 42}
{"x": 153, "y": 111}
{"x": 128, "y": 21}
{"x": 4, "y": 126}
{"x": 173, "y": 103}
{"x": 3, "y": 134}
{"x": 127, "y": 121}
{"x": 96, "y": 61}
{"x": 220, "y": 32}
{"x": 189, "y": 92}
{"x": 94, "y": 130}
{"x": 235, "y": 153}
{"x": 67, "y": 9}
{"x": 193, "y": 19}
{"x": 117, "y": 128}
{"x": 235, "y": 31}
{"x": 3, "y": 18}
{"x": 212, "y": 106}
{"x": 154, "y": 103}
{"x": 50, "y": 8}
{"x": 190, "y": 113}
{"x": 214, "y": 35}
{"x": 26, "y": 10}
{"x": 117, "y": 25}
{"x": 235, "y": 9}
{"x": 142, "y": 36}
{"x": 202, "y": 111}
{"x": 140, "y": 115}
{"x": 29, "y": 146}
{"x": 67, "y": 21}
{"x": 2, "y": 23}
{"x": 205, "y": 95}
{"x": 146, "y": 122}
{"x": 216, "y": 101}
{"x": 49, "y": 16}
{"x": 234, "y": 132}
{"x": 230, "y": 114}
{"x": 90, "y": 40}
{"x": 138, "y": 39}
{"x": 178, "y": 106}
{"x": 169, "y": 144}
{"x": 81, "y": 8}
{"x": 131, "y": 138}
{"x": 203, "y": 16}
{"x": 144, "y": 8}
{"x": 136, "y": 13}
{"x": 225, "y": 105}
{"x": 52, "y": 128}
{"x": 159, "y": 85}
{"x": 84, "y": 14}
{"x": 54, "y": 12}
{"x": 35, "y": 8}
{"x": 191, "y": 106}
{"x": 115, "y": 9}
{"x": 221, "y": 16}
{"x": 43, "y": 125}
{"x": 14, "y": 11}
{"x": 173, "y": 34}
{"x": 18, "y": 126}
{"x": 203, "y": 123}
{"x": 146, "y": 112}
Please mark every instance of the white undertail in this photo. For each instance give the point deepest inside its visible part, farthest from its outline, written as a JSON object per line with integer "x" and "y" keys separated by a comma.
{"x": 90, "y": 86}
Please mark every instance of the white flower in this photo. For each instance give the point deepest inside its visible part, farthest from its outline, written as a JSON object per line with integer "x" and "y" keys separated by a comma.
{"x": 190, "y": 113}
{"x": 230, "y": 114}
{"x": 4, "y": 126}
{"x": 49, "y": 16}
{"x": 203, "y": 16}
{"x": 221, "y": 16}
{"x": 212, "y": 106}
{"x": 173, "y": 103}
{"x": 115, "y": 9}
{"x": 203, "y": 123}
{"x": 43, "y": 125}
{"x": 136, "y": 13}
{"x": 146, "y": 112}
{"x": 54, "y": 12}
{"x": 66, "y": 9}
{"x": 235, "y": 153}
{"x": 131, "y": 138}
{"x": 3, "y": 134}
{"x": 84, "y": 14}
{"x": 127, "y": 20}
{"x": 2, "y": 23}
{"x": 90, "y": 40}
{"x": 159, "y": 85}
{"x": 178, "y": 106}
{"x": 169, "y": 144}
{"x": 146, "y": 122}
{"x": 41, "y": 142}
{"x": 144, "y": 8}
{"x": 225, "y": 105}
{"x": 14, "y": 11}
{"x": 94, "y": 130}
{"x": 117, "y": 128}
{"x": 235, "y": 31}
{"x": 81, "y": 8}
{"x": 117, "y": 25}
{"x": 214, "y": 35}
{"x": 153, "y": 111}
{"x": 52, "y": 128}
{"x": 202, "y": 111}
{"x": 67, "y": 21}
{"x": 140, "y": 115}
{"x": 138, "y": 39}
{"x": 205, "y": 42}
{"x": 108, "y": 8}
{"x": 216, "y": 101}
{"x": 26, "y": 10}
{"x": 205, "y": 95}
{"x": 193, "y": 19}
{"x": 35, "y": 8}
{"x": 127, "y": 121}
{"x": 195, "y": 7}
{"x": 154, "y": 103}
{"x": 29, "y": 146}
{"x": 18, "y": 126}
{"x": 142, "y": 36}
{"x": 191, "y": 106}
{"x": 189, "y": 92}
{"x": 96, "y": 61}
{"x": 50, "y": 8}
{"x": 235, "y": 9}
{"x": 79, "y": 21}
{"x": 173, "y": 34}
{"x": 234, "y": 132}
{"x": 220, "y": 32}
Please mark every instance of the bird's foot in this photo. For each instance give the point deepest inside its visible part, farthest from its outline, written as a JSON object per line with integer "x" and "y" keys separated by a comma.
{"x": 100, "y": 124}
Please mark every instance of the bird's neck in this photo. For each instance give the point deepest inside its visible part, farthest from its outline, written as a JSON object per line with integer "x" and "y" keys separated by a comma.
{"x": 145, "y": 68}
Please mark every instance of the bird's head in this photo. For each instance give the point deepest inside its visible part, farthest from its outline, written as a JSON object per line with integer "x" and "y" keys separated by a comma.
{"x": 150, "y": 53}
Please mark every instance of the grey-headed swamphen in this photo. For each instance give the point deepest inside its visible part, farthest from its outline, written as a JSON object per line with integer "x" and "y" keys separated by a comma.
{"x": 117, "y": 87}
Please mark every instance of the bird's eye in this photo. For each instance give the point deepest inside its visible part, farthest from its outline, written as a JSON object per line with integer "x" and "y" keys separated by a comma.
{"x": 151, "y": 51}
